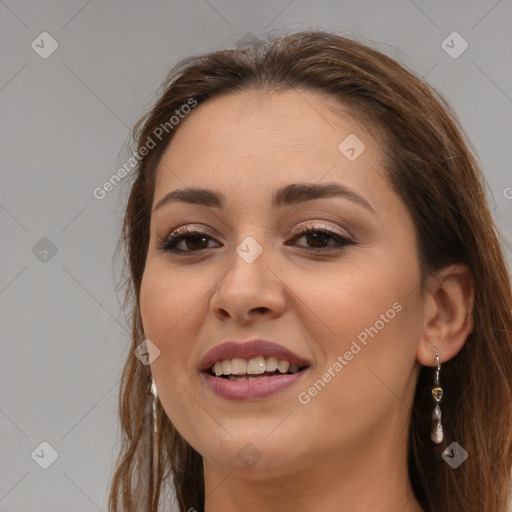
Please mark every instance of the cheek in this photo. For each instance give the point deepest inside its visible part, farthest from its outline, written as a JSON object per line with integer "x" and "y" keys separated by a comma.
{"x": 167, "y": 301}
{"x": 173, "y": 309}
{"x": 165, "y": 308}
{"x": 366, "y": 374}
{"x": 370, "y": 316}
{"x": 348, "y": 298}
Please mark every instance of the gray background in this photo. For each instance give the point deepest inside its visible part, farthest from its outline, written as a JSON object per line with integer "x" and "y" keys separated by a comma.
{"x": 64, "y": 122}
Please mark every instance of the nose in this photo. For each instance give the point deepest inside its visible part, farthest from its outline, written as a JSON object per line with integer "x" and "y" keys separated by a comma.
{"x": 249, "y": 288}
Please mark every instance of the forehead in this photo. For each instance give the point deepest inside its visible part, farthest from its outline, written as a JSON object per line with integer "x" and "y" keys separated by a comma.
{"x": 309, "y": 119}
{"x": 259, "y": 141}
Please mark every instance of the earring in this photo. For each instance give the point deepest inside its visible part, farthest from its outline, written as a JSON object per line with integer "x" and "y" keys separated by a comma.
{"x": 155, "y": 444}
{"x": 154, "y": 392}
{"x": 437, "y": 395}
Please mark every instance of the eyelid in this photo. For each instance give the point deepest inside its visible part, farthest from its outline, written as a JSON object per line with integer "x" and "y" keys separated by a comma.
{"x": 181, "y": 232}
{"x": 188, "y": 228}
{"x": 296, "y": 230}
{"x": 320, "y": 225}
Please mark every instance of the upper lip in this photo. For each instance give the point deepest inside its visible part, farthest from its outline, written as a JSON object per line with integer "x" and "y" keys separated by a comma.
{"x": 249, "y": 350}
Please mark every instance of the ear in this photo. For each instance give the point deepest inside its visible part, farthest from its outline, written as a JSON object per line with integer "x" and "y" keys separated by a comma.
{"x": 447, "y": 314}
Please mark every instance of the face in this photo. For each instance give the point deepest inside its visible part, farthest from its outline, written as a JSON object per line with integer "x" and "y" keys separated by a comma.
{"x": 331, "y": 278}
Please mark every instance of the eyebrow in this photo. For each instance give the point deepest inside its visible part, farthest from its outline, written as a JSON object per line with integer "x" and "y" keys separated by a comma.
{"x": 289, "y": 195}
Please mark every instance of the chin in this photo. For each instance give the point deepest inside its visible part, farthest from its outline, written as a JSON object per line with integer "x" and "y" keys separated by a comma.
{"x": 251, "y": 452}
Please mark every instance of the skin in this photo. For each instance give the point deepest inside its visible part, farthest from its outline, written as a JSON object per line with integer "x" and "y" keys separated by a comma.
{"x": 345, "y": 450}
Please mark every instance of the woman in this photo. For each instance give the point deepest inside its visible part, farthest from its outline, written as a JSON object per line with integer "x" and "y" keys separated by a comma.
{"x": 316, "y": 276}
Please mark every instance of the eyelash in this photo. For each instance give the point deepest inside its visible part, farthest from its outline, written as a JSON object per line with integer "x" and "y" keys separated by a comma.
{"x": 169, "y": 243}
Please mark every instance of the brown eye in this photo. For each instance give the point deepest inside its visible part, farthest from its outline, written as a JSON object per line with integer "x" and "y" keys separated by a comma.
{"x": 191, "y": 240}
{"x": 318, "y": 239}
{"x": 195, "y": 242}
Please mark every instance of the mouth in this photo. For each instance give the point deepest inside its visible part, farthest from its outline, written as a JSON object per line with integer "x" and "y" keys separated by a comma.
{"x": 251, "y": 370}
{"x": 239, "y": 369}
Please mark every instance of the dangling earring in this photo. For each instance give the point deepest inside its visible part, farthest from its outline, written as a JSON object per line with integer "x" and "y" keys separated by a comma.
{"x": 155, "y": 445}
{"x": 154, "y": 392}
{"x": 437, "y": 395}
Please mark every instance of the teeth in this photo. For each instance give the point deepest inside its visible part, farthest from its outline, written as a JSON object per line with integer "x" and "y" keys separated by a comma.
{"x": 238, "y": 366}
{"x": 238, "y": 377}
{"x": 256, "y": 366}
{"x": 226, "y": 366}
{"x": 283, "y": 366}
{"x": 245, "y": 377}
{"x": 271, "y": 364}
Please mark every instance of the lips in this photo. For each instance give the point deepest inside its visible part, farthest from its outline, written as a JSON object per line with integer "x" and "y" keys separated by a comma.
{"x": 238, "y": 371}
{"x": 248, "y": 350}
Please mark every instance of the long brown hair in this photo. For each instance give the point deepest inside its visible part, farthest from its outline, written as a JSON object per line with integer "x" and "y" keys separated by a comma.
{"x": 430, "y": 165}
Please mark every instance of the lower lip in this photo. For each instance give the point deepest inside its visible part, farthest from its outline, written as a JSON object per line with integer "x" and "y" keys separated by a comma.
{"x": 251, "y": 389}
